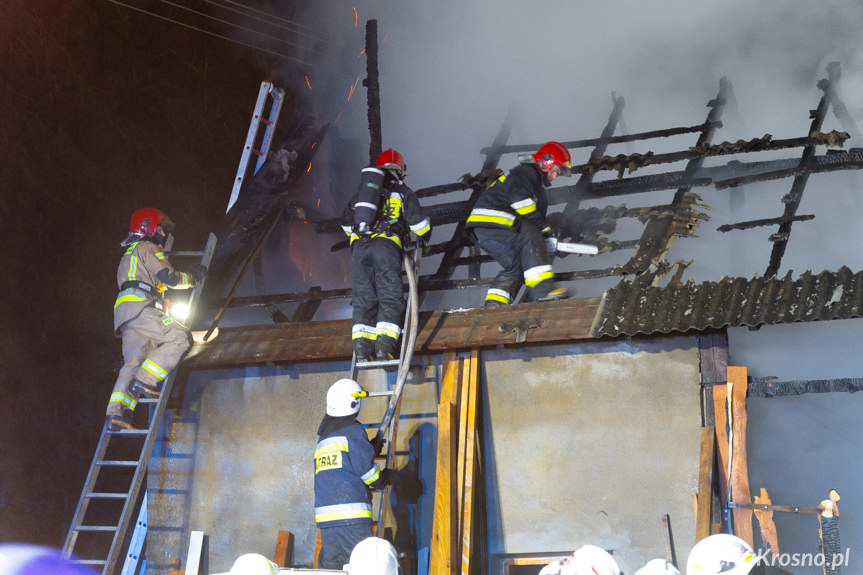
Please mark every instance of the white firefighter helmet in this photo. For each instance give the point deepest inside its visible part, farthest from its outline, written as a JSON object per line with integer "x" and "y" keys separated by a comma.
{"x": 343, "y": 398}
{"x": 373, "y": 556}
{"x": 721, "y": 553}
{"x": 253, "y": 564}
{"x": 552, "y": 568}
{"x": 658, "y": 567}
{"x": 590, "y": 560}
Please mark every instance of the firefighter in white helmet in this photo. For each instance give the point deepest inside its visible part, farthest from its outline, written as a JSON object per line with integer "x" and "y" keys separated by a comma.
{"x": 586, "y": 560}
{"x": 374, "y": 556}
{"x": 721, "y": 553}
{"x": 345, "y": 473}
{"x": 253, "y": 564}
{"x": 658, "y": 567}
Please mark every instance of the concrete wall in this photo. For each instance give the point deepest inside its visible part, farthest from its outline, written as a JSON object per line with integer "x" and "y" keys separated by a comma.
{"x": 592, "y": 443}
{"x": 587, "y": 443}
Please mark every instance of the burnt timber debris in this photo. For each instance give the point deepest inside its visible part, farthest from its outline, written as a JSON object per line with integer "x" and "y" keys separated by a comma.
{"x": 651, "y": 295}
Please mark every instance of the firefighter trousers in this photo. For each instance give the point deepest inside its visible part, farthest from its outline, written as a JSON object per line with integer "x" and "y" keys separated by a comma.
{"x": 378, "y": 296}
{"x": 524, "y": 257}
{"x": 153, "y": 345}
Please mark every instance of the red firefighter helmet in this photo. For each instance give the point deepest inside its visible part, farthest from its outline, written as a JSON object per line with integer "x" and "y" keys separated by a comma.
{"x": 145, "y": 221}
{"x": 392, "y": 160}
{"x": 553, "y": 154}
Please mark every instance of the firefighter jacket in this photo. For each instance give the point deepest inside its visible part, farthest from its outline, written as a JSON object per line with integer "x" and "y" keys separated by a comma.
{"x": 144, "y": 273}
{"x": 520, "y": 194}
{"x": 399, "y": 212}
{"x": 344, "y": 471}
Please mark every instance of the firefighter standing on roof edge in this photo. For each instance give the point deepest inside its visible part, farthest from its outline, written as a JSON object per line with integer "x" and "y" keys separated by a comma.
{"x": 153, "y": 343}
{"x": 378, "y": 219}
{"x": 345, "y": 473}
{"x": 508, "y": 221}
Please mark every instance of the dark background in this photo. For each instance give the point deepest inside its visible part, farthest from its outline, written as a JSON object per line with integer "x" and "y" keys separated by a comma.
{"x": 103, "y": 110}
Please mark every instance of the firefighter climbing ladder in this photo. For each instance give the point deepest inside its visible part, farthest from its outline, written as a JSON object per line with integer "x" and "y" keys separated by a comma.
{"x": 389, "y": 423}
{"x": 124, "y": 442}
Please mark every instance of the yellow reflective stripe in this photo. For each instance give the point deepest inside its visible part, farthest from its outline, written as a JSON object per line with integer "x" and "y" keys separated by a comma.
{"x": 362, "y": 331}
{"x": 133, "y": 267}
{"x": 331, "y": 448}
{"x": 128, "y": 297}
{"x": 160, "y": 255}
{"x": 524, "y": 206}
{"x": 421, "y": 228}
{"x": 345, "y": 511}
{"x": 155, "y": 369}
{"x": 131, "y": 248}
{"x": 482, "y": 215}
{"x": 498, "y": 295}
{"x": 388, "y": 329}
{"x": 537, "y": 274}
{"x": 371, "y": 475}
{"x": 126, "y": 400}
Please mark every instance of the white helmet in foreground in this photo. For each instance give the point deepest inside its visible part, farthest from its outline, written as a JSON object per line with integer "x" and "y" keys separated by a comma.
{"x": 590, "y": 560}
{"x": 253, "y": 564}
{"x": 343, "y": 398}
{"x": 721, "y": 553}
{"x": 658, "y": 567}
{"x": 373, "y": 556}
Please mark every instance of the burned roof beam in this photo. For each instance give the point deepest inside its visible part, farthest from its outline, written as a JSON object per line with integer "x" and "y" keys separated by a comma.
{"x": 763, "y": 222}
{"x": 770, "y": 387}
{"x": 605, "y": 140}
{"x": 830, "y": 162}
{"x": 793, "y": 198}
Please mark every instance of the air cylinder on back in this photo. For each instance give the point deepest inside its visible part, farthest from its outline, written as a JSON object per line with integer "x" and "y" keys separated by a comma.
{"x": 368, "y": 199}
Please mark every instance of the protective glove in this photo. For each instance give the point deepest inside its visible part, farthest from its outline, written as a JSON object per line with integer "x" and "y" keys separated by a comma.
{"x": 378, "y": 443}
{"x": 199, "y": 272}
{"x": 382, "y": 481}
{"x": 551, "y": 244}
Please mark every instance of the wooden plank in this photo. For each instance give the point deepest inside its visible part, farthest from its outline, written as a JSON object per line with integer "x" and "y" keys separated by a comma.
{"x": 317, "y": 547}
{"x": 463, "y": 406}
{"x": 196, "y": 550}
{"x": 284, "y": 553}
{"x": 713, "y": 363}
{"x": 443, "y": 542}
{"x": 739, "y": 480}
{"x": 466, "y": 517}
{"x": 704, "y": 497}
{"x": 765, "y": 522}
{"x": 720, "y": 393}
{"x": 451, "y": 377}
{"x": 542, "y": 322}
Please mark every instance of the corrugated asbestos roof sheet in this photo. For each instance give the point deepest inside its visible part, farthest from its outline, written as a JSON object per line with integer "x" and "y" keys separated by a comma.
{"x": 628, "y": 309}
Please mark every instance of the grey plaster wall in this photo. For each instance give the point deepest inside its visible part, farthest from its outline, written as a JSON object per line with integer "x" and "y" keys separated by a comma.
{"x": 593, "y": 443}
{"x": 235, "y": 459}
{"x": 586, "y": 443}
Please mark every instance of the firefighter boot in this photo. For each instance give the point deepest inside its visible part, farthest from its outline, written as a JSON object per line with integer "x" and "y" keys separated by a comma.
{"x": 142, "y": 388}
{"x": 119, "y": 422}
{"x": 364, "y": 350}
{"x": 555, "y": 294}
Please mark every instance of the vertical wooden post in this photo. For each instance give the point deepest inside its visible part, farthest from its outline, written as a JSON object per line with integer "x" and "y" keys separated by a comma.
{"x": 704, "y": 497}
{"x": 284, "y": 553}
{"x": 739, "y": 479}
{"x": 470, "y": 463}
{"x": 444, "y": 545}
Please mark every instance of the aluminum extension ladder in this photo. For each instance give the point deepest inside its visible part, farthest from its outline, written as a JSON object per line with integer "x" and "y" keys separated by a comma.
{"x": 278, "y": 96}
{"x": 117, "y": 454}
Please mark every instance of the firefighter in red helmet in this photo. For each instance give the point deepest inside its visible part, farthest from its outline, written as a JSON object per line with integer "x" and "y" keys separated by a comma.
{"x": 153, "y": 343}
{"x": 508, "y": 222}
{"x": 379, "y": 219}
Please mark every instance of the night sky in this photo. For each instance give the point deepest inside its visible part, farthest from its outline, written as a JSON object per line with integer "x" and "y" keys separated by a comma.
{"x": 104, "y": 110}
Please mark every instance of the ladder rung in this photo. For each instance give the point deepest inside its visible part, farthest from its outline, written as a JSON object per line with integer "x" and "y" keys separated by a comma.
{"x": 130, "y": 432}
{"x": 378, "y": 363}
{"x": 95, "y": 495}
{"x": 148, "y": 400}
{"x": 88, "y": 561}
{"x": 118, "y": 462}
{"x": 96, "y": 528}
